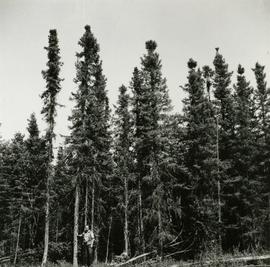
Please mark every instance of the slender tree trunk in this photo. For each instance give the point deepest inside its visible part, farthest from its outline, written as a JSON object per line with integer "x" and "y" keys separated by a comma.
{"x": 93, "y": 204}
{"x": 269, "y": 204}
{"x": 93, "y": 215}
{"x": 37, "y": 219}
{"x": 126, "y": 216}
{"x": 108, "y": 240}
{"x": 18, "y": 239}
{"x": 86, "y": 204}
{"x": 268, "y": 224}
{"x": 47, "y": 221}
{"x": 47, "y": 207}
{"x": 31, "y": 224}
{"x": 96, "y": 250}
{"x": 159, "y": 192}
{"x": 32, "y": 231}
{"x": 218, "y": 189}
{"x": 57, "y": 225}
{"x": 75, "y": 233}
{"x": 93, "y": 208}
{"x": 160, "y": 238}
{"x": 30, "y": 244}
{"x": 141, "y": 218}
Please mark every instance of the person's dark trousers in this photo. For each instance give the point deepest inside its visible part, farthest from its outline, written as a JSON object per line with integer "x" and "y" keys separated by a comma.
{"x": 88, "y": 254}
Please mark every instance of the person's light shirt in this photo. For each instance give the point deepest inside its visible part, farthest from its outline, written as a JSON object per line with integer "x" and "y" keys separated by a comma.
{"x": 88, "y": 238}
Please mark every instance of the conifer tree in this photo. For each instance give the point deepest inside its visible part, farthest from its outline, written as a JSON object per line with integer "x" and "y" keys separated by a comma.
{"x": 151, "y": 103}
{"x": 139, "y": 102}
{"x": 262, "y": 103}
{"x": 200, "y": 158}
{"x": 35, "y": 179}
{"x": 49, "y": 97}
{"x": 123, "y": 157}
{"x": 62, "y": 191}
{"x": 90, "y": 137}
{"x": 224, "y": 106}
{"x": 222, "y": 92}
{"x": 179, "y": 200}
{"x": 84, "y": 99}
{"x": 4, "y": 196}
{"x": 23, "y": 173}
{"x": 17, "y": 199}
{"x": 262, "y": 97}
{"x": 244, "y": 198}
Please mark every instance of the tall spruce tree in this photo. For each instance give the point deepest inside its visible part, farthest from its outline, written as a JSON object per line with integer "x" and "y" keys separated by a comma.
{"x": 49, "y": 97}
{"x": 151, "y": 103}
{"x": 200, "y": 159}
{"x": 262, "y": 103}
{"x": 224, "y": 106}
{"x": 84, "y": 99}
{"x": 123, "y": 157}
{"x": 245, "y": 190}
{"x": 90, "y": 137}
{"x": 139, "y": 102}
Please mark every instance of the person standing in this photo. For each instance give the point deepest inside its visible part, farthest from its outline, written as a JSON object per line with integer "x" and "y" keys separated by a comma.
{"x": 88, "y": 243}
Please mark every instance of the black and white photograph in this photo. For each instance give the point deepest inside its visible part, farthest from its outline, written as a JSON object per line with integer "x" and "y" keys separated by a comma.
{"x": 134, "y": 133}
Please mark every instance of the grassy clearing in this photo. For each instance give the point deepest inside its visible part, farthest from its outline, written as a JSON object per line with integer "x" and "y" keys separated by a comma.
{"x": 59, "y": 264}
{"x": 211, "y": 259}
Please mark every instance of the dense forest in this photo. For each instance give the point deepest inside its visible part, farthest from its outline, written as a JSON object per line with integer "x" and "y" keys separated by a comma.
{"x": 143, "y": 177}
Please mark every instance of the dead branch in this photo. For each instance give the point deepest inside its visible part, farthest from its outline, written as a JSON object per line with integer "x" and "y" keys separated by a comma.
{"x": 137, "y": 258}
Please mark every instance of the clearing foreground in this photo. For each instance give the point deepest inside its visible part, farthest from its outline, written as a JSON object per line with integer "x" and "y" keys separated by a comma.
{"x": 235, "y": 261}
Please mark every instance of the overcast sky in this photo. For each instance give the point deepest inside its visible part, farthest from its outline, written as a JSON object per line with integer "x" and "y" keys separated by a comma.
{"x": 181, "y": 28}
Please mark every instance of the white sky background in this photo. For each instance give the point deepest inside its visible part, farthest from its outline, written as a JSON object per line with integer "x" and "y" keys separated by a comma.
{"x": 181, "y": 28}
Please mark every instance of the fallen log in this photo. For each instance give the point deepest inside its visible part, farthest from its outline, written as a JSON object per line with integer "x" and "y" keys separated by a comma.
{"x": 4, "y": 261}
{"x": 250, "y": 258}
{"x": 245, "y": 259}
{"x": 176, "y": 253}
{"x": 7, "y": 259}
{"x": 241, "y": 259}
{"x": 136, "y": 259}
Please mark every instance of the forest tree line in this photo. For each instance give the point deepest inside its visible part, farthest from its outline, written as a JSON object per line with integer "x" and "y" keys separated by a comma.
{"x": 142, "y": 177}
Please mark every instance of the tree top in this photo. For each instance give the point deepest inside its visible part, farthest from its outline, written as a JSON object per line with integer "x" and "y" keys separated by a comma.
{"x": 53, "y": 31}
{"x": 192, "y": 63}
{"x": 240, "y": 70}
{"x": 151, "y": 45}
{"x": 87, "y": 28}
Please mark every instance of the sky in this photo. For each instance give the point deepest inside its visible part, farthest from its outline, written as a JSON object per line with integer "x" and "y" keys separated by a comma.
{"x": 183, "y": 29}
